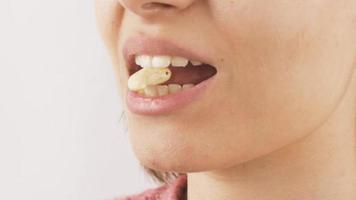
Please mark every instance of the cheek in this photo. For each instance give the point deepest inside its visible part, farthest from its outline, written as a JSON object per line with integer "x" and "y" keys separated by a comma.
{"x": 285, "y": 75}
{"x": 281, "y": 62}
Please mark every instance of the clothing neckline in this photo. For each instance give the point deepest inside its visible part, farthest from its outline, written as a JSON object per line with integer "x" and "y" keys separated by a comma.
{"x": 175, "y": 190}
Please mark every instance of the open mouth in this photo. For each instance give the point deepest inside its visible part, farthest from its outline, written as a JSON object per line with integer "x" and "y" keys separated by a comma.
{"x": 184, "y": 74}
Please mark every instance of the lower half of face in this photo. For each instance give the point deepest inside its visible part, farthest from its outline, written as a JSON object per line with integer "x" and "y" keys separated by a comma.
{"x": 282, "y": 68}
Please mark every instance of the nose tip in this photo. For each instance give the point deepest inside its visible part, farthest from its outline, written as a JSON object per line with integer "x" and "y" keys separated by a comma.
{"x": 148, "y": 7}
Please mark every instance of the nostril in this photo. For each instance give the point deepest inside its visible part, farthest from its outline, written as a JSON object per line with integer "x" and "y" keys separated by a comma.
{"x": 155, "y": 5}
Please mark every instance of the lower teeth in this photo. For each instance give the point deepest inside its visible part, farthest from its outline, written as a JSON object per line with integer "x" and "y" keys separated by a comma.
{"x": 162, "y": 90}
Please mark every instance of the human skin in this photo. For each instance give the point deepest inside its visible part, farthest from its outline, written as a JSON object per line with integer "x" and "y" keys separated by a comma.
{"x": 279, "y": 120}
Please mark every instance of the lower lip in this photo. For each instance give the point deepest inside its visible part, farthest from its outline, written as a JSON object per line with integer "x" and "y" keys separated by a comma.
{"x": 165, "y": 104}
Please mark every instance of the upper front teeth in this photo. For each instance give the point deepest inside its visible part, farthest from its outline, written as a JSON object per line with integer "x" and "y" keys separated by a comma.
{"x": 161, "y": 61}
{"x": 196, "y": 63}
{"x": 179, "y": 62}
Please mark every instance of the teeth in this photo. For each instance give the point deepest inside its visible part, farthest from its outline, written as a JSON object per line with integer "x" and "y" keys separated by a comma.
{"x": 195, "y": 63}
{"x": 162, "y": 90}
{"x": 151, "y": 91}
{"x": 187, "y": 86}
{"x": 144, "y": 61}
{"x": 161, "y": 61}
{"x": 142, "y": 92}
{"x": 179, "y": 62}
{"x": 138, "y": 60}
{"x": 174, "y": 88}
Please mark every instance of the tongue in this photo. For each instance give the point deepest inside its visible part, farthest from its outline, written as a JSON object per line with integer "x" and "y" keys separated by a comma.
{"x": 190, "y": 74}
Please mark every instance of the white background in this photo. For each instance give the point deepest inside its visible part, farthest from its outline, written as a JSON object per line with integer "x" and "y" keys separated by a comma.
{"x": 60, "y": 131}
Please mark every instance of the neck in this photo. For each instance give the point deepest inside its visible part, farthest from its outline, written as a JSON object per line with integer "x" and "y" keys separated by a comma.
{"x": 320, "y": 166}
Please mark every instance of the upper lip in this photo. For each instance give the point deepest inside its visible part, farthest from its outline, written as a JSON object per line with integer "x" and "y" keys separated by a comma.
{"x": 157, "y": 46}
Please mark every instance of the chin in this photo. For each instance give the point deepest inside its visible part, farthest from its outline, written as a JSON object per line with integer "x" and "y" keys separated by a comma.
{"x": 165, "y": 156}
{"x": 178, "y": 157}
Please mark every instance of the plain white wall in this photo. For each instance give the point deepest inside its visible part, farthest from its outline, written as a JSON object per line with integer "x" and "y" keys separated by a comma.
{"x": 60, "y": 135}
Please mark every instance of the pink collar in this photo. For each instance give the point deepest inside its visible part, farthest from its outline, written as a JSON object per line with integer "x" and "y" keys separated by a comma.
{"x": 169, "y": 191}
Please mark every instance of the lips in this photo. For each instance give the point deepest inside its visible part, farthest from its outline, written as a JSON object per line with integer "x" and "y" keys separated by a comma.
{"x": 198, "y": 75}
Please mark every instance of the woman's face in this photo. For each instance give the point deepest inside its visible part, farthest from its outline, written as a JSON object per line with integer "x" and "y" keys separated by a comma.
{"x": 282, "y": 68}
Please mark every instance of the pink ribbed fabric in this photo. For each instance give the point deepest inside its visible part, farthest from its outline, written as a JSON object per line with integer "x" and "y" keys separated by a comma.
{"x": 171, "y": 191}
